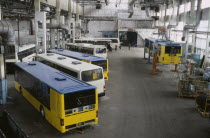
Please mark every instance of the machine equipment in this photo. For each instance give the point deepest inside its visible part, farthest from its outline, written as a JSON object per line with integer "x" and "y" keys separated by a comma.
{"x": 202, "y": 101}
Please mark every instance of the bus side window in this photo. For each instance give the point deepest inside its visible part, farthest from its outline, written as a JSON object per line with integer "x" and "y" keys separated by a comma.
{"x": 17, "y": 72}
{"x": 67, "y": 71}
{"x": 77, "y": 48}
{"x": 101, "y": 50}
{"x": 45, "y": 95}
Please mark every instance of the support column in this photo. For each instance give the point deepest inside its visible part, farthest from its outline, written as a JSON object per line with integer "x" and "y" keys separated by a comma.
{"x": 37, "y": 5}
{"x": 40, "y": 33}
{"x": 3, "y": 80}
{"x": 77, "y": 13}
{"x": 58, "y": 11}
{"x": 58, "y": 17}
{"x": 71, "y": 21}
{"x": 78, "y": 21}
{"x": 207, "y": 52}
{"x": 52, "y": 35}
{"x": 0, "y": 11}
{"x": 187, "y": 34}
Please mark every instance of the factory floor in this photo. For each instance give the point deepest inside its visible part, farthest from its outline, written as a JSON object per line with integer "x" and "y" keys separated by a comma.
{"x": 136, "y": 105}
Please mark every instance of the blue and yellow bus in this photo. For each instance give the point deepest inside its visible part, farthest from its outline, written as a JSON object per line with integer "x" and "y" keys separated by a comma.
{"x": 64, "y": 101}
{"x": 99, "y": 61}
{"x": 149, "y": 44}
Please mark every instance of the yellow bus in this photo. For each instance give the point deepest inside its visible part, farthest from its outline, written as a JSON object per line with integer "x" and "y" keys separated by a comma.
{"x": 99, "y": 61}
{"x": 149, "y": 46}
{"x": 169, "y": 53}
{"x": 64, "y": 101}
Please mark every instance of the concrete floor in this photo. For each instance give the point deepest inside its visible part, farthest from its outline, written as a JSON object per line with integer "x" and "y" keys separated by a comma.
{"x": 137, "y": 105}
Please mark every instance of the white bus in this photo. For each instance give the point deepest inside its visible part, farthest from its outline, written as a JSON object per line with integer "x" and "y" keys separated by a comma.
{"x": 115, "y": 42}
{"x": 89, "y": 73}
{"x": 24, "y": 53}
{"x": 93, "y": 41}
{"x": 95, "y": 50}
{"x": 111, "y": 43}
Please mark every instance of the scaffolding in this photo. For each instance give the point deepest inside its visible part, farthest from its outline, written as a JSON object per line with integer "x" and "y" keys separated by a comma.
{"x": 202, "y": 103}
{"x": 190, "y": 81}
{"x": 191, "y": 86}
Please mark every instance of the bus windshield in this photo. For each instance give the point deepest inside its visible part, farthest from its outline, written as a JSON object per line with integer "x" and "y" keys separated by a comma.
{"x": 79, "y": 99}
{"x": 92, "y": 75}
{"x": 173, "y": 50}
{"x": 114, "y": 40}
{"x": 100, "y": 50}
{"x": 26, "y": 52}
{"x": 101, "y": 63}
{"x": 87, "y": 50}
{"x": 10, "y": 56}
{"x": 73, "y": 48}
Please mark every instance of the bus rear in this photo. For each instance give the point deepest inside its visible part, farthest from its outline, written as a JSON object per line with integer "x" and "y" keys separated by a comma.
{"x": 80, "y": 109}
{"x": 170, "y": 54}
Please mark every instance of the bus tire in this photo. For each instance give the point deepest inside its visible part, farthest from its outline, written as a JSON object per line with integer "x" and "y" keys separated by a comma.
{"x": 20, "y": 90}
{"x": 42, "y": 112}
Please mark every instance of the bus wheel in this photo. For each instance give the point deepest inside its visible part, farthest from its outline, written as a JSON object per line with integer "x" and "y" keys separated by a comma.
{"x": 20, "y": 90}
{"x": 42, "y": 112}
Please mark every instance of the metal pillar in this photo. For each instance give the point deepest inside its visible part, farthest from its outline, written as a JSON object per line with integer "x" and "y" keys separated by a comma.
{"x": 40, "y": 33}
{"x": 77, "y": 13}
{"x": 3, "y": 80}
{"x": 207, "y": 52}
{"x": 58, "y": 11}
{"x": 62, "y": 33}
{"x": 187, "y": 34}
{"x": 52, "y": 36}
{"x": 37, "y": 5}
{"x": 0, "y": 11}
{"x": 71, "y": 23}
{"x": 78, "y": 21}
{"x": 58, "y": 18}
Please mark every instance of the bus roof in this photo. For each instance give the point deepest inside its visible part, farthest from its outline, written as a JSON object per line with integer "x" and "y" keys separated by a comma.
{"x": 68, "y": 62}
{"x": 106, "y": 38}
{"x": 85, "y": 38}
{"x": 86, "y": 45}
{"x": 79, "y": 44}
{"x": 77, "y": 55}
{"x": 169, "y": 44}
{"x": 57, "y": 80}
{"x": 25, "y": 47}
{"x": 157, "y": 40}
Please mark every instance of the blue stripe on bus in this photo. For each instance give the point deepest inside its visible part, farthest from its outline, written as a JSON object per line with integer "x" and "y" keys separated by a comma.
{"x": 59, "y": 81}
{"x": 158, "y": 40}
{"x": 169, "y": 44}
